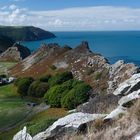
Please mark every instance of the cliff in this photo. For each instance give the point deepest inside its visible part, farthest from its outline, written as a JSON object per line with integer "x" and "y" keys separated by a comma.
{"x": 5, "y": 43}
{"x": 15, "y": 53}
{"x": 25, "y": 33}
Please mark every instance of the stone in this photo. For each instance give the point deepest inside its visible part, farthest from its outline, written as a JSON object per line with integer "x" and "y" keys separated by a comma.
{"x": 68, "y": 124}
{"x": 115, "y": 113}
{"x": 22, "y": 135}
{"x": 128, "y": 86}
{"x": 128, "y": 98}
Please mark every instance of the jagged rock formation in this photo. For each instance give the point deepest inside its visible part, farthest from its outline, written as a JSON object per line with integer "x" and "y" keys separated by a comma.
{"x": 84, "y": 64}
{"x": 15, "y": 53}
{"x": 22, "y": 135}
{"x": 120, "y": 72}
{"x": 25, "y": 33}
{"x": 70, "y": 124}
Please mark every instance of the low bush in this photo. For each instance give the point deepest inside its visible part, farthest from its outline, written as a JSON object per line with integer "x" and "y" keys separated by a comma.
{"x": 60, "y": 78}
{"x": 76, "y": 96}
{"x": 38, "y": 89}
{"x": 55, "y": 93}
{"x": 45, "y": 78}
{"x": 23, "y": 85}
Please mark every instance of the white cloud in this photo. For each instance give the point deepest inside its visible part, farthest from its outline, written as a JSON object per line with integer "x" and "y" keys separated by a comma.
{"x": 80, "y": 18}
{"x": 12, "y": 7}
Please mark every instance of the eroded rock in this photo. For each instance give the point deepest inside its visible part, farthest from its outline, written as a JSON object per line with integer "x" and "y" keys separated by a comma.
{"x": 22, "y": 135}
{"x": 68, "y": 124}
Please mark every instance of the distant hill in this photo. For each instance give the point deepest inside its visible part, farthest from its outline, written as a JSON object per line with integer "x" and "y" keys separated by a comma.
{"x": 5, "y": 43}
{"x": 25, "y": 33}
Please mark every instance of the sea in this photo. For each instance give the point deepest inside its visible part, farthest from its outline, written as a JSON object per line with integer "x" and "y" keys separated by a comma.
{"x": 113, "y": 45}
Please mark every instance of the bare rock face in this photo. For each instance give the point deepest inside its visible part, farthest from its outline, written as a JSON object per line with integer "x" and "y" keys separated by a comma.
{"x": 128, "y": 86}
{"x": 22, "y": 135}
{"x": 119, "y": 72}
{"x": 15, "y": 53}
{"x": 67, "y": 125}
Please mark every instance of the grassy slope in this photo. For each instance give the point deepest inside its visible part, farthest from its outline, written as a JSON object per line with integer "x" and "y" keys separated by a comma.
{"x": 35, "y": 123}
{"x": 5, "y": 66}
{"x": 13, "y": 108}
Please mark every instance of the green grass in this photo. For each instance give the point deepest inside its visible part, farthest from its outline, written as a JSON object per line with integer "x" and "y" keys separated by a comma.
{"x": 13, "y": 109}
{"x": 37, "y": 123}
{"x": 4, "y": 66}
{"x": 43, "y": 120}
{"x": 8, "y": 91}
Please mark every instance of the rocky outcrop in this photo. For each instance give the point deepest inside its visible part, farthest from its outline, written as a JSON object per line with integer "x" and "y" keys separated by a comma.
{"x": 22, "y": 135}
{"x": 119, "y": 72}
{"x": 15, "y": 53}
{"x": 130, "y": 85}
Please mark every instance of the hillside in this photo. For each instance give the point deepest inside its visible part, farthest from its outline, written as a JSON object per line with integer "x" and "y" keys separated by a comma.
{"x": 15, "y": 53}
{"x": 111, "y": 111}
{"x": 5, "y": 43}
{"x": 84, "y": 64}
{"x": 25, "y": 33}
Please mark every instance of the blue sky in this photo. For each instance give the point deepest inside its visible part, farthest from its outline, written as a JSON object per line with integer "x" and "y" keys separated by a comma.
{"x": 72, "y": 14}
{"x": 59, "y": 4}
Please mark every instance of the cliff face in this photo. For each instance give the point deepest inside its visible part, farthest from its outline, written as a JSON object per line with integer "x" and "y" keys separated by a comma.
{"x": 5, "y": 43}
{"x": 25, "y": 33}
{"x": 15, "y": 53}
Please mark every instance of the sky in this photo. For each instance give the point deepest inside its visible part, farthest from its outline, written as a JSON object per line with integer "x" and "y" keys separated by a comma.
{"x": 72, "y": 15}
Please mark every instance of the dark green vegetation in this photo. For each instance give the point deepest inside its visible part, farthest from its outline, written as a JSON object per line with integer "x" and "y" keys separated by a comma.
{"x": 25, "y": 33}
{"x": 69, "y": 94}
{"x": 37, "y": 89}
{"x": 60, "y": 90}
{"x": 23, "y": 85}
{"x": 5, "y": 43}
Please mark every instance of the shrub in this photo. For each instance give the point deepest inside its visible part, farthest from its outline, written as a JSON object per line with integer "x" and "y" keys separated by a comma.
{"x": 60, "y": 78}
{"x": 45, "y": 78}
{"x": 37, "y": 89}
{"x": 98, "y": 75}
{"x": 54, "y": 95}
{"x": 76, "y": 96}
{"x": 17, "y": 81}
{"x": 3, "y": 76}
{"x": 23, "y": 85}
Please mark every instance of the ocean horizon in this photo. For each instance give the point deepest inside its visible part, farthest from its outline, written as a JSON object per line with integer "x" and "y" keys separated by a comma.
{"x": 113, "y": 45}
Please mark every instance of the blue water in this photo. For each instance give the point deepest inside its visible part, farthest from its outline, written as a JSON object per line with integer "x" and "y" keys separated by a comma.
{"x": 114, "y": 45}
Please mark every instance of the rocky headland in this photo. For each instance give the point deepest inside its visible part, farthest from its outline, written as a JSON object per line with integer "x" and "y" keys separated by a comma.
{"x": 116, "y": 90}
{"x": 25, "y": 33}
